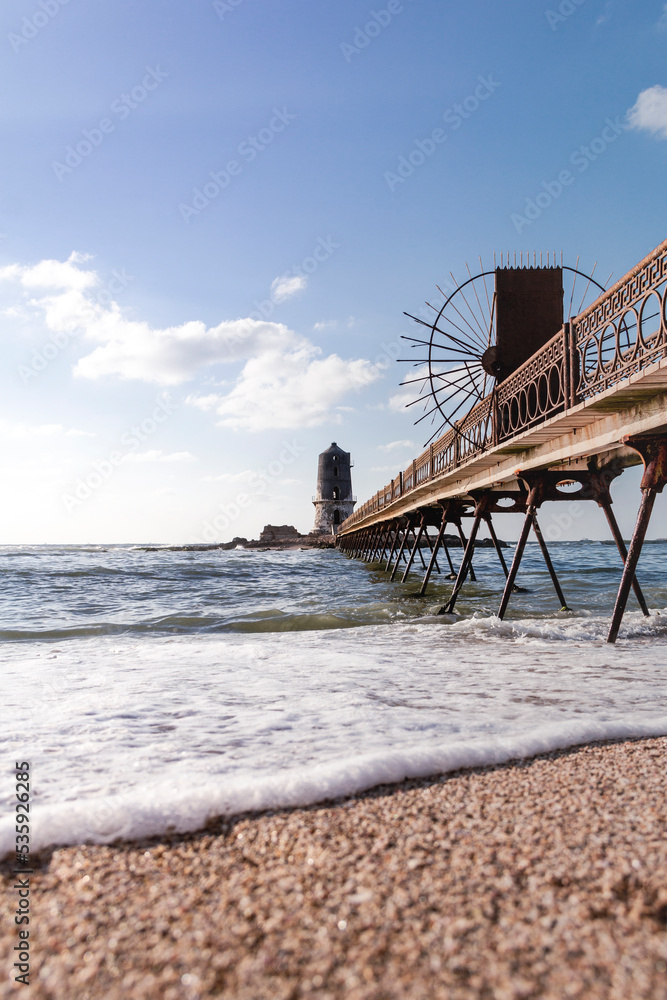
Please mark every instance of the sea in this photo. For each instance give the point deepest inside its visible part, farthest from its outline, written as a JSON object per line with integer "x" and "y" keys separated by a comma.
{"x": 152, "y": 689}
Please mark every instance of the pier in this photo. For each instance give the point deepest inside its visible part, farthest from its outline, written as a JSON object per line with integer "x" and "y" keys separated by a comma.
{"x": 586, "y": 403}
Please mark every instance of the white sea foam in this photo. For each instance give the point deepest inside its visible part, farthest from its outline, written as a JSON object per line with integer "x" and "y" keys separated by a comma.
{"x": 130, "y": 737}
{"x": 166, "y": 806}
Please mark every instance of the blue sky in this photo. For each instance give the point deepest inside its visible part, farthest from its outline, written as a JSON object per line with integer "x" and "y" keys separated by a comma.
{"x": 206, "y": 246}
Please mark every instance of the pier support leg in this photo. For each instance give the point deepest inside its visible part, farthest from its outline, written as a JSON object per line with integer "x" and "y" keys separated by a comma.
{"x": 620, "y": 545}
{"x": 400, "y": 551}
{"x": 419, "y": 548}
{"x": 496, "y": 543}
{"x": 393, "y": 545}
{"x": 414, "y": 550}
{"x": 464, "y": 545}
{"x": 465, "y": 562}
{"x": 550, "y": 565}
{"x": 516, "y": 561}
{"x": 436, "y": 567}
{"x": 653, "y": 451}
{"x": 432, "y": 560}
{"x": 643, "y": 518}
{"x": 452, "y": 572}
{"x": 379, "y": 542}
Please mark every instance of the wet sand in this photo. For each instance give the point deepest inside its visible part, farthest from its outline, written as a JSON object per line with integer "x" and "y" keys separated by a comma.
{"x": 541, "y": 879}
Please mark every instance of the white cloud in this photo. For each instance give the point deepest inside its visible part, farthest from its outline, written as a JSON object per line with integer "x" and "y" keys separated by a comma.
{"x": 129, "y": 348}
{"x": 20, "y": 432}
{"x": 650, "y": 111}
{"x": 158, "y": 456}
{"x": 54, "y": 274}
{"x": 231, "y": 477}
{"x": 286, "y": 286}
{"x": 297, "y": 388}
{"x": 397, "y": 445}
{"x": 285, "y": 381}
{"x": 328, "y": 324}
{"x": 410, "y": 393}
{"x": 399, "y": 402}
{"x": 662, "y": 23}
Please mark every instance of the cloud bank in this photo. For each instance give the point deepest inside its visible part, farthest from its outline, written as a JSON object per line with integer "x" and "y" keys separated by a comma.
{"x": 285, "y": 380}
{"x": 649, "y": 113}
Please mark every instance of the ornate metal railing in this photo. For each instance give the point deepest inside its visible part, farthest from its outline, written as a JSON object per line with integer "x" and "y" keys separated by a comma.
{"x": 535, "y": 391}
{"x": 622, "y": 333}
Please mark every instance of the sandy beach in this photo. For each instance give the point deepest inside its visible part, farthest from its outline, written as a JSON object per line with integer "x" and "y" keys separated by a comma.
{"x": 545, "y": 878}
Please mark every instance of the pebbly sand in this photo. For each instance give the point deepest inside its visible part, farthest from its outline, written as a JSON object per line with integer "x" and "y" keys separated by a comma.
{"x": 542, "y": 879}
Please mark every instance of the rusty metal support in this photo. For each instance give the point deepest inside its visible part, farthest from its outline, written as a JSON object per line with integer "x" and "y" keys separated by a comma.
{"x": 452, "y": 572}
{"x": 379, "y": 541}
{"x": 436, "y": 566}
{"x": 466, "y": 560}
{"x": 432, "y": 560}
{"x": 395, "y": 530}
{"x": 370, "y": 535}
{"x": 400, "y": 551}
{"x": 367, "y": 543}
{"x": 496, "y": 543}
{"x": 620, "y": 545}
{"x": 516, "y": 561}
{"x": 424, "y": 525}
{"x": 550, "y": 565}
{"x": 464, "y": 546}
{"x": 417, "y": 538}
{"x": 653, "y": 451}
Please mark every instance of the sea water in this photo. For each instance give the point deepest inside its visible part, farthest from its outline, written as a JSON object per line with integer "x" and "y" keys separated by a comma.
{"x": 152, "y": 689}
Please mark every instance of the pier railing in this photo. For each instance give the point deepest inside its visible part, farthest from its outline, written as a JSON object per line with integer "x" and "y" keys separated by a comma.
{"x": 622, "y": 333}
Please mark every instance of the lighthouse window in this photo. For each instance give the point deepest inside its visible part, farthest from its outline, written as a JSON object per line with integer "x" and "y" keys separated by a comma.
{"x": 335, "y": 470}
{"x": 336, "y": 517}
{"x": 335, "y": 458}
{"x": 336, "y": 493}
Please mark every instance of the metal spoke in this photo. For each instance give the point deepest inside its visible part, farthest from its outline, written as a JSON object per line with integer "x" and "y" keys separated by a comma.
{"x": 574, "y": 283}
{"x": 588, "y": 285}
{"x": 472, "y": 313}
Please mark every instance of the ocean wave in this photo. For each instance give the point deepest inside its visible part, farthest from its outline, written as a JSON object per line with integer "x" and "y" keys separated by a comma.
{"x": 162, "y": 807}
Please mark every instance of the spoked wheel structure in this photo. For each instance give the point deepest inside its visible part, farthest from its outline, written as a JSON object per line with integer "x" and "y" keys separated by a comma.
{"x": 486, "y": 328}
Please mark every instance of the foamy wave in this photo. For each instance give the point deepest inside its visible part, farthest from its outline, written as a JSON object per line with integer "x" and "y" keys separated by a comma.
{"x": 161, "y": 807}
{"x": 579, "y": 626}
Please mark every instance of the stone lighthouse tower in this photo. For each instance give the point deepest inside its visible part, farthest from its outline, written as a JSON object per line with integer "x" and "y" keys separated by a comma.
{"x": 333, "y": 500}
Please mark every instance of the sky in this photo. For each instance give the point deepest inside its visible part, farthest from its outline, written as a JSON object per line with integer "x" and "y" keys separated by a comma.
{"x": 213, "y": 217}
